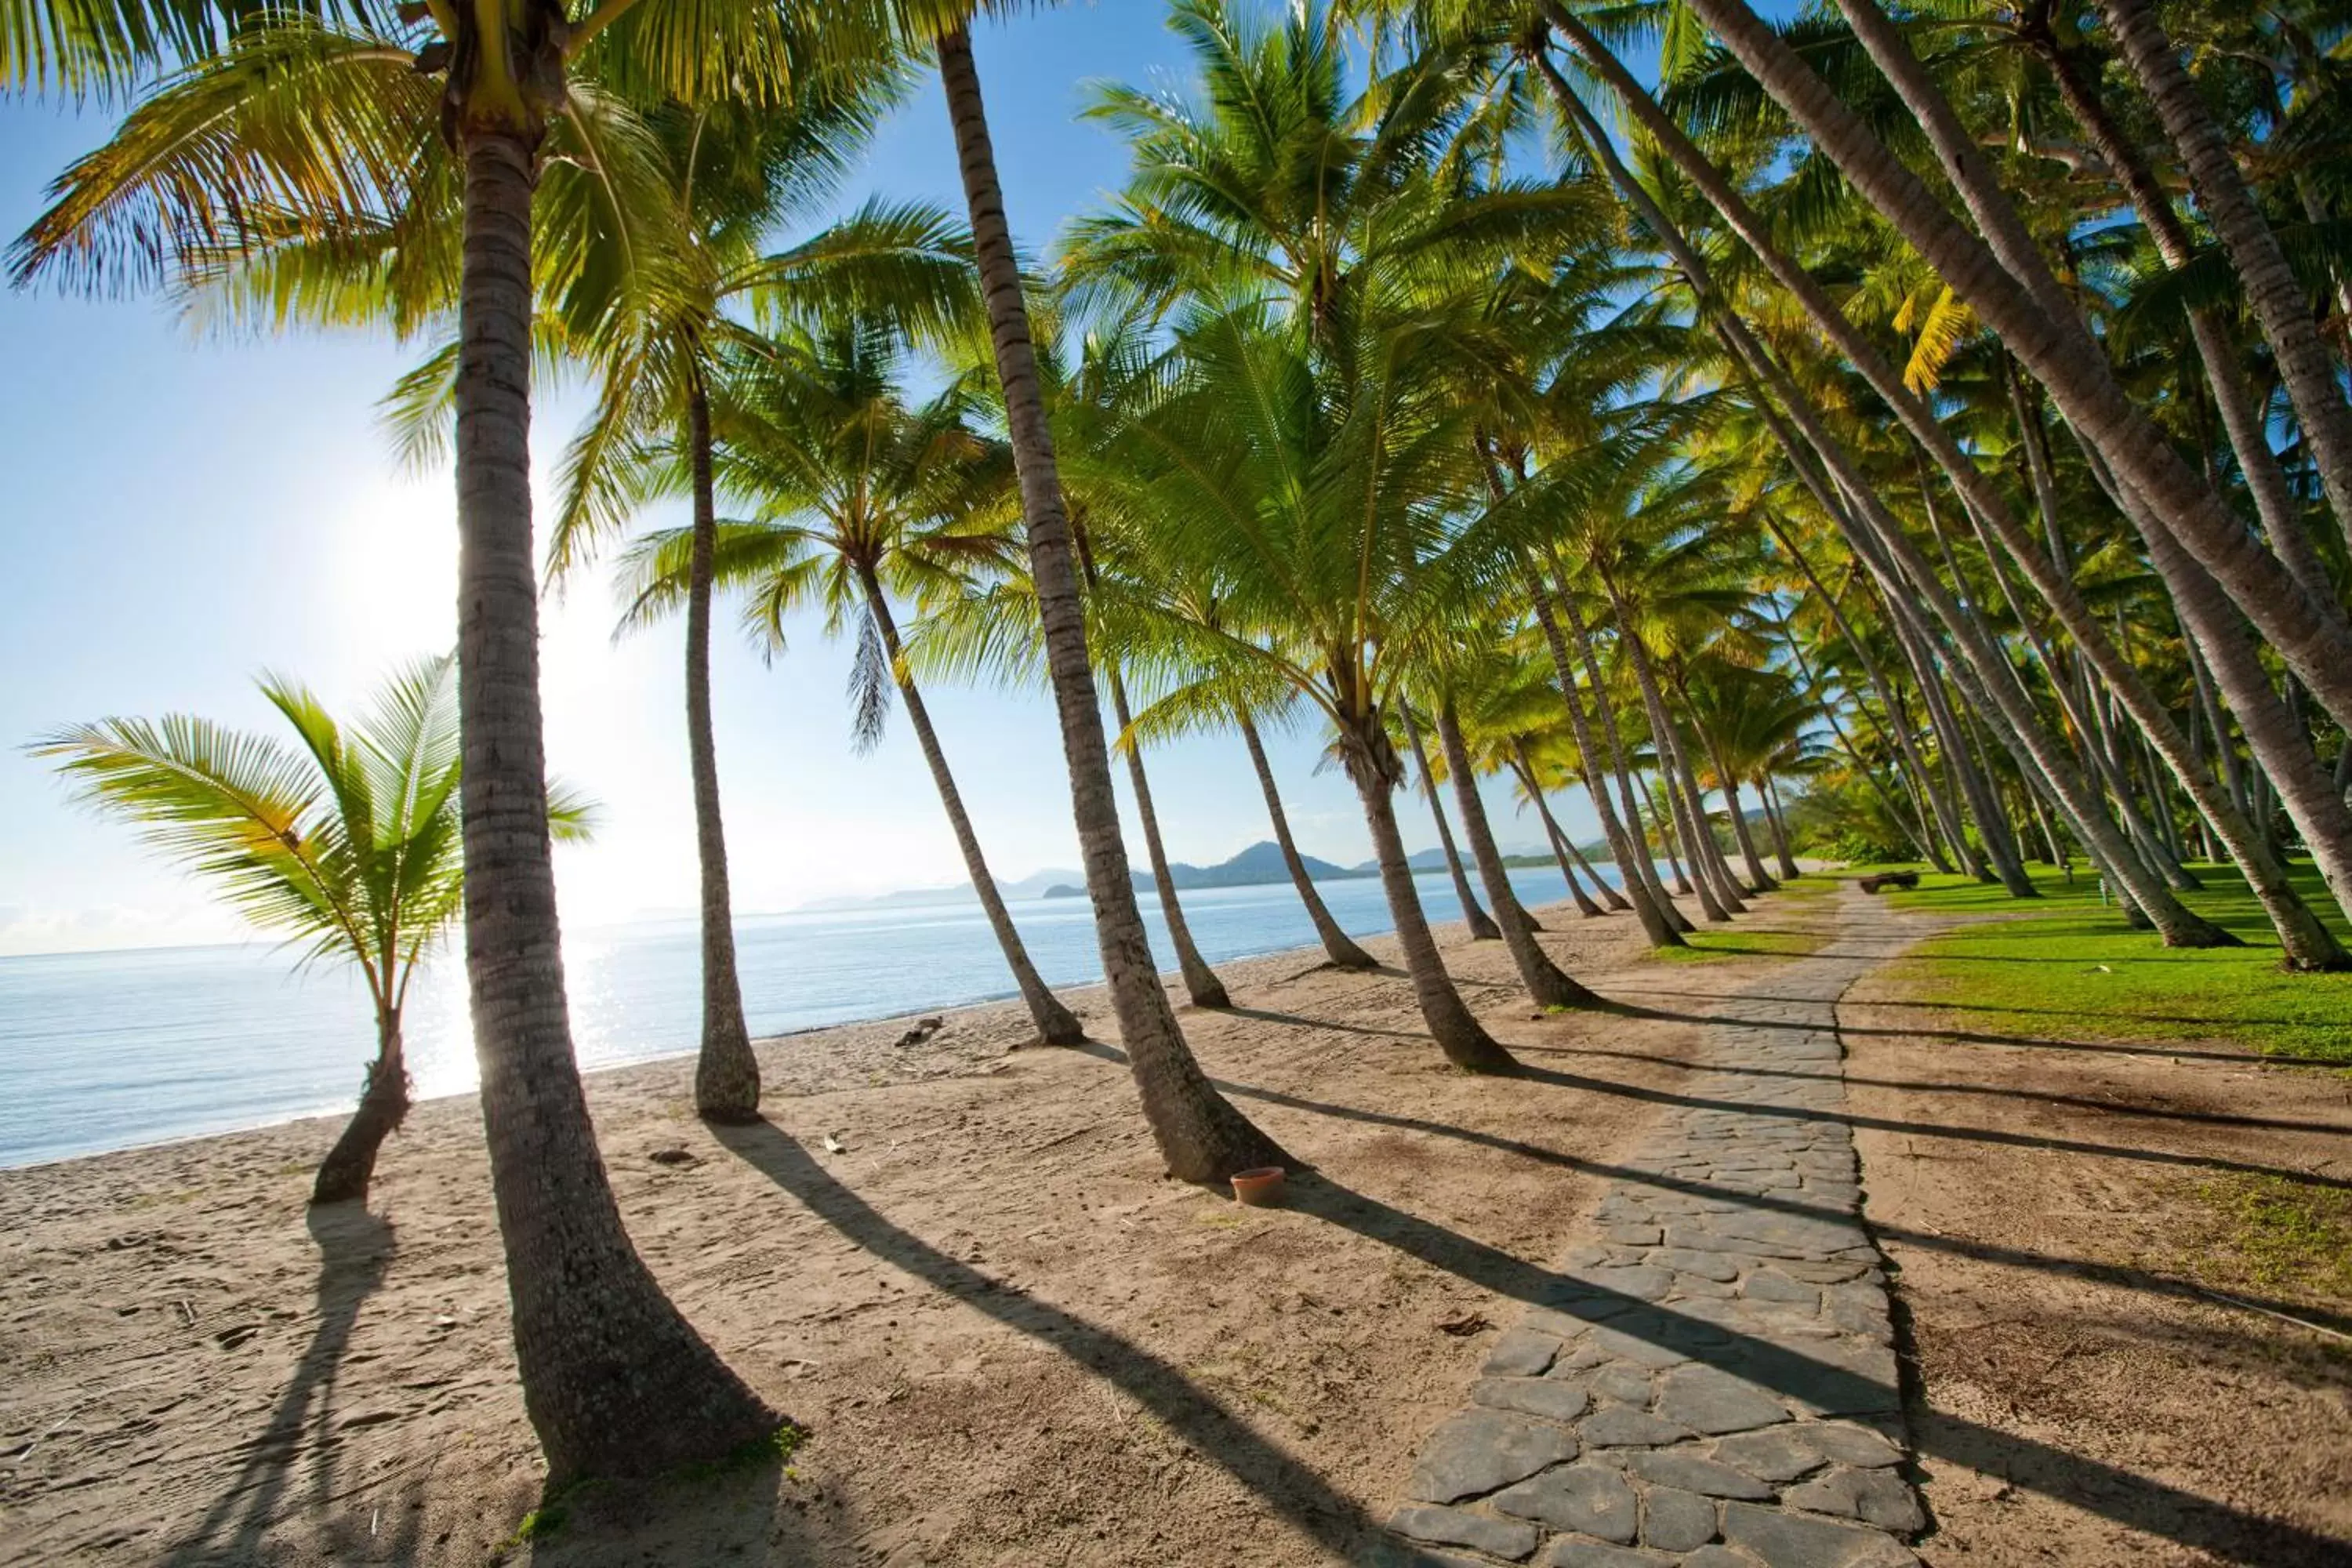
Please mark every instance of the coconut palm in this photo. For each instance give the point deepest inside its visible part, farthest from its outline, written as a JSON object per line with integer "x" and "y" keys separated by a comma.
{"x": 283, "y": 142}
{"x": 733, "y": 173}
{"x": 852, "y": 497}
{"x": 1314, "y": 472}
{"x": 347, "y": 842}
{"x": 1198, "y": 1133}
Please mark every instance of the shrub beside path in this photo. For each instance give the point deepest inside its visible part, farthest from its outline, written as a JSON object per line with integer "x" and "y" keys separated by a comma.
{"x": 1712, "y": 1383}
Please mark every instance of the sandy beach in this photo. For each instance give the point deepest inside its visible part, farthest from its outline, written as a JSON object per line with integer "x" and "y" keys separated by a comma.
{"x": 193, "y": 1374}
{"x": 957, "y": 1263}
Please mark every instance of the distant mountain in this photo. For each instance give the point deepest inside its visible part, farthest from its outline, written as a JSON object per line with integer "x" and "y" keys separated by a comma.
{"x": 1260, "y": 863}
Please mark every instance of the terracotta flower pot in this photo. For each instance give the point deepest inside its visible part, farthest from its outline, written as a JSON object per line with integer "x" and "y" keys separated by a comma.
{"x": 1261, "y": 1188}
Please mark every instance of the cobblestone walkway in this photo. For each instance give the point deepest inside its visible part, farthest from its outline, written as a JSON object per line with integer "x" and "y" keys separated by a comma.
{"x": 1713, "y": 1383}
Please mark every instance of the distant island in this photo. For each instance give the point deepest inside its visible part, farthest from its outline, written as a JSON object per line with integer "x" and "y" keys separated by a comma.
{"x": 1257, "y": 865}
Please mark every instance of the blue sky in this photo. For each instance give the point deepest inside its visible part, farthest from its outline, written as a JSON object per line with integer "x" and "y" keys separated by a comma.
{"x": 182, "y": 512}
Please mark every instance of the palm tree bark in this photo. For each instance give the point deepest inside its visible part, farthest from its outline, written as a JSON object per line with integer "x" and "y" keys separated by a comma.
{"x": 1622, "y": 848}
{"x": 1057, "y": 1025}
{"x": 1200, "y": 981}
{"x": 1201, "y": 1135}
{"x": 1544, "y": 980}
{"x": 2279, "y": 302}
{"x": 726, "y": 1071}
{"x": 350, "y": 1165}
{"x": 1482, "y": 926}
{"x": 2314, "y": 638}
{"x": 1337, "y": 945}
{"x": 615, "y": 1381}
{"x": 1465, "y": 1041}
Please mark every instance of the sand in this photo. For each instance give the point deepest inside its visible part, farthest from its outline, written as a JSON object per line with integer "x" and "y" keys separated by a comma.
{"x": 958, "y": 1264}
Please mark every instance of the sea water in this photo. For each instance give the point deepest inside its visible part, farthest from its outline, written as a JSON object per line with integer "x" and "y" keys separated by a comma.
{"x": 110, "y": 1050}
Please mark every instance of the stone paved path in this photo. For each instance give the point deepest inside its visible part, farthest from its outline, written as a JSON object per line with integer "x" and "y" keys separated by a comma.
{"x": 1713, "y": 1383}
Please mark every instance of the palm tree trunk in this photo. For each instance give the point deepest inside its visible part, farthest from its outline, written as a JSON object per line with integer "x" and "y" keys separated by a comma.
{"x": 1057, "y": 1025}
{"x": 1482, "y": 926}
{"x": 1760, "y": 880}
{"x": 2279, "y": 302}
{"x": 2312, "y": 637}
{"x": 1715, "y": 900}
{"x": 1988, "y": 510}
{"x": 350, "y": 1165}
{"x": 1622, "y": 847}
{"x": 1201, "y": 1135}
{"x": 1916, "y": 825}
{"x": 1200, "y": 981}
{"x": 726, "y": 1072}
{"x": 1992, "y": 684}
{"x": 615, "y": 1381}
{"x": 1544, "y": 980}
{"x": 1337, "y": 945}
{"x": 1609, "y": 895}
{"x": 1560, "y": 847}
{"x": 2241, "y": 422}
{"x": 1756, "y": 876}
{"x": 1465, "y": 1041}
{"x": 1646, "y": 867}
{"x": 1769, "y": 794}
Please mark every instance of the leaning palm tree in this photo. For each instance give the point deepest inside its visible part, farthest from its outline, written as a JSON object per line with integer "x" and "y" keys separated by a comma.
{"x": 855, "y": 496}
{"x": 284, "y": 141}
{"x": 347, "y": 842}
{"x": 1198, "y": 1131}
{"x": 1320, "y": 482}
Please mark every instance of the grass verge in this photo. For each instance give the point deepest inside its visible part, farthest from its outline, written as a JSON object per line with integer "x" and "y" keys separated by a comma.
{"x": 2066, "y": 966}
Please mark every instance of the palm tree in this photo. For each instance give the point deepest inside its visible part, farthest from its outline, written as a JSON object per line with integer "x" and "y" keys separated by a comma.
{"x": 1337, "y": 945}
{"x": 1312, "y": 479}
{"x": 1201, "y": 1135}
{"x": 731, "y": 173}
{"x": 348, "y": 843}
{"x": 1544, "y": 980}
{"x": 286, "y": 143}
{"x": 2007, "y": 282}
{"x": 1480, "y": 924}
{"x": 855, "y": 496}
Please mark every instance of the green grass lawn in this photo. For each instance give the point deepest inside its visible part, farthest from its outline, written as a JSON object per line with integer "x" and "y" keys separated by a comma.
{"x": 2067, "y": 967}
{"x": 1754, "y": 936}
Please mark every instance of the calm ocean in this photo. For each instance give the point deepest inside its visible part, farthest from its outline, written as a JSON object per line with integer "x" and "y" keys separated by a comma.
{"x": 110, "y": 1050}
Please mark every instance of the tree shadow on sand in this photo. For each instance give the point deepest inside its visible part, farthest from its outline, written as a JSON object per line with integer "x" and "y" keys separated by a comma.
{"x": 355, "y": 1250}
{"x": 1332, "y": 1519}
{"x": 1341, "y": 1524}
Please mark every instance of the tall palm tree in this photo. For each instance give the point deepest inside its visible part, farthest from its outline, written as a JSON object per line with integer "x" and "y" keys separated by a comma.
{"x": 1312, "y": 476}
{"x": 1198, "y": 1133}
{"x": 733, "y": 174}
{"x": 348, "y": 843}
{"x": 855, "y": 495}
{"x": 283, "y": 141}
